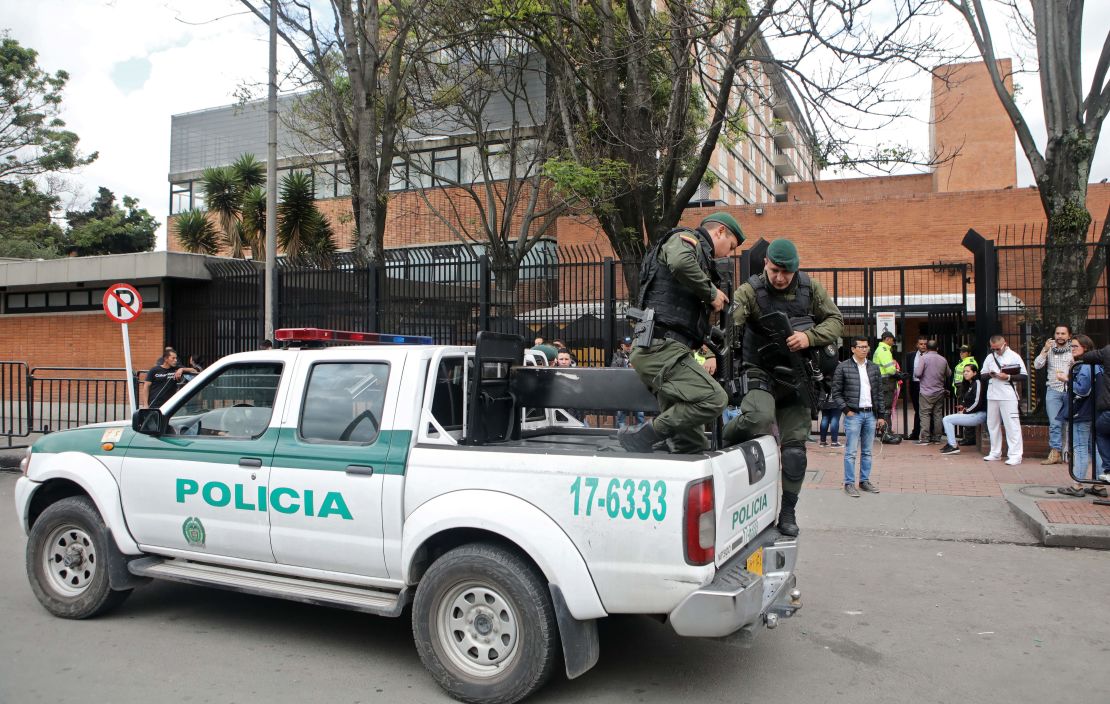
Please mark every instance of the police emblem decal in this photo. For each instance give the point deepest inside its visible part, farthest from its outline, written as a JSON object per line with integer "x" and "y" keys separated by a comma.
{"x": 193, "y": 530}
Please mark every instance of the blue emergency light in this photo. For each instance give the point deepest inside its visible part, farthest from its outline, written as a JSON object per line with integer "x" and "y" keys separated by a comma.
{"x": 366, "y": 338}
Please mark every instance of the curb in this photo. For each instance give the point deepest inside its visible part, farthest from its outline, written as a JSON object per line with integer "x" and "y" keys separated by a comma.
{"x": 1063, "y": 535}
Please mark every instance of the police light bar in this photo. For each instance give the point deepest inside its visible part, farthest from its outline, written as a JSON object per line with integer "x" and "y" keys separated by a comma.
{"x": 368, "y": 338}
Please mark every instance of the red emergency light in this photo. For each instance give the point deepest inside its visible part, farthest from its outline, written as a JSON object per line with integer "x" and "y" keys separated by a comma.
{"x": 366, "y": 338}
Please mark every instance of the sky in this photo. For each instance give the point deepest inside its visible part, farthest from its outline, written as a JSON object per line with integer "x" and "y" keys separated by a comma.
{"x": 134, "y": 63}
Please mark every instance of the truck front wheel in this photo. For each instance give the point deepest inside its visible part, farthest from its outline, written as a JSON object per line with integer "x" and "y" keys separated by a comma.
{"x": 484, "y": 625}
{"x": 67, "y": 560}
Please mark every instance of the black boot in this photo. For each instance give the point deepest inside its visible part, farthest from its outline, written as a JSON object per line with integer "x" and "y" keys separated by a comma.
{"x": 788, "y": 524}
{"x": 638, "y": 439}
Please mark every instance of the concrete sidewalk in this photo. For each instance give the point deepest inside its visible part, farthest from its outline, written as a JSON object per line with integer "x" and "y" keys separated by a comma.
{"x": 1028, "y": 489}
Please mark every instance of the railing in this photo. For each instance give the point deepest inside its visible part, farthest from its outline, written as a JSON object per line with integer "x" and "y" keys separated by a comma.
{"x": 67, "y": 397}
{"x": 15, "y": 401}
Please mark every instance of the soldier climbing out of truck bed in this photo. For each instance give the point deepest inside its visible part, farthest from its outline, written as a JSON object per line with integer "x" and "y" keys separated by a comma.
{"x": 786, "y": 317}
{"x": 679, "y": 282}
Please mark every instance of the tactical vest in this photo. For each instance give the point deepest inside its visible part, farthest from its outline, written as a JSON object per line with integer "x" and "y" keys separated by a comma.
{"x": 798, "y": 310}
{"x": 677, "y": 308}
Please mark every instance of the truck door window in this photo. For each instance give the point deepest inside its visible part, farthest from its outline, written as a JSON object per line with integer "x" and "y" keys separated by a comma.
{"x": 236, "y": 403}
{"x": 450, "y": 391}
{"x": 344, "y": 401}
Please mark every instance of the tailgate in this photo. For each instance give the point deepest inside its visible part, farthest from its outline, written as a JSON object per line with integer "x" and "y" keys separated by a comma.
{"x": 746, "y": 489}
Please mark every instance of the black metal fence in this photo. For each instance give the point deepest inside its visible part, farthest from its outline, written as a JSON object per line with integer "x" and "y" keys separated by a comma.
{"x": 47, "y": 399}
{"x": 1020, "y": 253}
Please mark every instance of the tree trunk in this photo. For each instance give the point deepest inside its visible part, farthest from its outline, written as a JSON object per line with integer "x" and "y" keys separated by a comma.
{"x": 1066, "y": 290}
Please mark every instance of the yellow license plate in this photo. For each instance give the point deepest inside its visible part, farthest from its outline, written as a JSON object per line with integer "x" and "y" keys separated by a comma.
{"x": 755, "y": 562}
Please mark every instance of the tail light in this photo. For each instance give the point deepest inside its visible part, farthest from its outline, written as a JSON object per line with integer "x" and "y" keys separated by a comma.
{"x": 700, "y": 522}
{"x": 25, "y": 463}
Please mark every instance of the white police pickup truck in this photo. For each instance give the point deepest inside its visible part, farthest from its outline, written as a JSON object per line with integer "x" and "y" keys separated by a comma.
{"x": 375, "y": 477}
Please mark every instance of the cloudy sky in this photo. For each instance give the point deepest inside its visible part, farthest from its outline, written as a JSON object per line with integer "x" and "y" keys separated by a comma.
{"x": 134, "y": 63}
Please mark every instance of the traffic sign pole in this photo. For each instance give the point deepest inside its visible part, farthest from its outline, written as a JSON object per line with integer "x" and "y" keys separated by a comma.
{"x": 130, "y": 374}
{"x": 123, "y": 304}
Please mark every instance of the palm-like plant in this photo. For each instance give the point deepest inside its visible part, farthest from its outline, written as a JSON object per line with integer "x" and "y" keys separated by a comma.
{"x": 195, "y": 232}
{"x": 253, "y": 211}
{"x": 303, "y": 231}
{"x": 249, "y": 172}
{"x": 222, "y": 195}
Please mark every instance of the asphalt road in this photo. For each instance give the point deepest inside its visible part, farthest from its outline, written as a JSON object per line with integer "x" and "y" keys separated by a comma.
{"x": 891, "y": 615}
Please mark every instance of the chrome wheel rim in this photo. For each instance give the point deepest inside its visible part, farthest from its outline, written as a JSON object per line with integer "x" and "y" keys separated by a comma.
{"x": 69, "y": 560}
{"x": 478, "y": 629}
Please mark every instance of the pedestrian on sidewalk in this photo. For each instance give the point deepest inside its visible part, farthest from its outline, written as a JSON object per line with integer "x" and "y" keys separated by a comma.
{"x": 971, "y": 409}
{"x": 914, "y": 389}
{"x": 1079, "y": 411}
{"x": 1056, "y": 356}
{"x": 888, "y": 368}
{"x": 1102, "y": 409}
{"x": 830, "y": 421}
{"x": 857, "y": 388}
{"x": 933, "y": 373}
{"x": 1001, "y": 369}
{"x": 966, "y": 358}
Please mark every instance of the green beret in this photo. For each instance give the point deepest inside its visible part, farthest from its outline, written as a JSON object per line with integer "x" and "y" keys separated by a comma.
{"x": 783, "y": 253}
{"x": 728, "y": 221}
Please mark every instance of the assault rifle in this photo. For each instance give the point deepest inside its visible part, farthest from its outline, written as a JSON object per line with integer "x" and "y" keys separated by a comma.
{"x": 803, "y": 375}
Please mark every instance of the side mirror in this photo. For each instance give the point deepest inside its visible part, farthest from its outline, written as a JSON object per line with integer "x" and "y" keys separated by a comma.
{"x": 148, "y": 421}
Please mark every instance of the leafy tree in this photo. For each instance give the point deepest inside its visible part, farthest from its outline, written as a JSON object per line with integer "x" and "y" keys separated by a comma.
{"x": 195, "y": 232}
{"x": 358, "y": 57}
{"x": 1073, "y": 116}
{"x": 33, "y": 140}
{"x": 26, "y": 228}
{"x": 253, "y": 224}
{"x": 106, "y": 228}
{"x": 303, "y": 232}
{"x": 478, "y": 78}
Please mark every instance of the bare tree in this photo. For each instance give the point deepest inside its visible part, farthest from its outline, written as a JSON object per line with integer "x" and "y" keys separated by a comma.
{"x": 358, "y": 59}
{"x": 1073, "y": 117}
{"x": 645, "y": 91}
{"x": 485, "y": 87}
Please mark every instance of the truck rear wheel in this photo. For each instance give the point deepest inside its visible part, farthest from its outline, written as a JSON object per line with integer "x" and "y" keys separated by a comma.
{"x": 67, "y": 560}
{"x": 484, "y": 625}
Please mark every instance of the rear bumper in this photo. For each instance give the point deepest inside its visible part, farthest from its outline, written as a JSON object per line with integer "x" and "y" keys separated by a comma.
{"x": 736, "y": 598}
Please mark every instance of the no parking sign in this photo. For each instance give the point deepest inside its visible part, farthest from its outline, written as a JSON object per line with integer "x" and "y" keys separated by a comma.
{"x": 123, "y": 304}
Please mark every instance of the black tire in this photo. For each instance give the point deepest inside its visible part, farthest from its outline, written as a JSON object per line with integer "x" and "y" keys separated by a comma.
{"x": 78, "y": 588}
{"x": 502, "y": 593}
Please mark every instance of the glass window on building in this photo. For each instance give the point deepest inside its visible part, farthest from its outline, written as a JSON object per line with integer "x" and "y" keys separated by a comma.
{"x": 446, "y": 166}
{"x": 526, "y": 156}
{"x": 398, "y": 175}
{"x": 342, "y": 181}
{"x": 499, "y": 161}
{"x": 180, "y": 197}
{"x": 420, "y": 170}
{"x": 470, "y": 166}
{"x": 323, "y": 177}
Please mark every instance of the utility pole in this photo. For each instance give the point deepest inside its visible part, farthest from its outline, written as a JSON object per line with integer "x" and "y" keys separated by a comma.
{"x": 271, "y": 180}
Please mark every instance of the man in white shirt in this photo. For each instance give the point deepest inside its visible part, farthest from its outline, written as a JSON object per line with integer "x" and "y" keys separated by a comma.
{"x": 1003, "y": 367}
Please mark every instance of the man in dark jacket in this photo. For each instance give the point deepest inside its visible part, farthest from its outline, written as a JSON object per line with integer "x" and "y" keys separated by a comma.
{"x": 858, "y": 388}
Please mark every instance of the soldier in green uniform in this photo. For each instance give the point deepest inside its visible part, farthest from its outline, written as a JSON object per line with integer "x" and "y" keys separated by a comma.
{"x": 680, "y": 283}
{"x": 771, "y": 396}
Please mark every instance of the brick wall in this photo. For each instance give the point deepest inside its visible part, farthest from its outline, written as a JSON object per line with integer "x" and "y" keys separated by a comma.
{"x": 79, "y": 340}
{"x": 968, "y": 118}
{"x": 887, "y": 231}
{"x": 860, "y": 188}
{"x": 410, "y": 222}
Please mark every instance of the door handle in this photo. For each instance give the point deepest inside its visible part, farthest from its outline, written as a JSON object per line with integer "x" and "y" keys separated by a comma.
{"x": 250, "y": 462}
{"x": 361, "y": 469}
